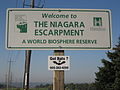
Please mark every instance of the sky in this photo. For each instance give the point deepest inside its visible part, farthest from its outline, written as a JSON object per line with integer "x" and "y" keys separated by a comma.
{"x": 83, "y": 63}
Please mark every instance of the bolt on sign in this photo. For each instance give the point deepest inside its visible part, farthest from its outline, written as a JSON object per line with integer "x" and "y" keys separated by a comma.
{"x": 61, "y": 29}
{"x": 58, "y": 63}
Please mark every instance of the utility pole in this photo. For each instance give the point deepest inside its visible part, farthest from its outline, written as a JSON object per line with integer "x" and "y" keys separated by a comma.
{"x": 58, "y": 78}
{"x": 27, "y": 69}
{"x": 9, "y": 75}
{"x": 32, "y": 3}
{"x": 27, "y": 61}
{"x": 6, "y": 80}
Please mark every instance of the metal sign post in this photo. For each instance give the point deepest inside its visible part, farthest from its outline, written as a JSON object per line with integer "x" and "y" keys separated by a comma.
{"x": 58, "y": 78}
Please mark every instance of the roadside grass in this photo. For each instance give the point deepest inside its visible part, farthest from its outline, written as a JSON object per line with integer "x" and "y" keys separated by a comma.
{"x": 29, "y": 89}
{"x": 38, "y": 89}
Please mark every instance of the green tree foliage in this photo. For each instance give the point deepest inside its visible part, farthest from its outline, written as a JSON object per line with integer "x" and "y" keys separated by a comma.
{"x": 108, "y": 77}
{"x": 82, "y": 86}
{"x": 48, "y": 86}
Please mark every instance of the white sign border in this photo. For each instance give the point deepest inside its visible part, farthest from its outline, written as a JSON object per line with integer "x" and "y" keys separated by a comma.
{"x": 58, "y": 48}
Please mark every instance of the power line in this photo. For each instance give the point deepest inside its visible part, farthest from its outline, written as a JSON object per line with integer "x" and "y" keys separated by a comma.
{"x": 15, "y": 56}
{"x": 23, "y": 1}
{"x": 9, "y": 74}
{"x": 40, "y": 4}
{"x": 16, "y": 3}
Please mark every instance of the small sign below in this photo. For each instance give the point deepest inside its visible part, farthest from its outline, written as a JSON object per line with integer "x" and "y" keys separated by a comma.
{"x": 58, "y": 63}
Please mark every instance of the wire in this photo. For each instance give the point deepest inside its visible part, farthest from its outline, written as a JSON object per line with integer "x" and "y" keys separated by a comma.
{"x": 41, "y": 4}
{"x": 23, "y": 1}
{"x": 10, "y": 54}
{"x": 16, "y": 3}
{"x": 17, "y": 56}
{"x": 44, "y": 3}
